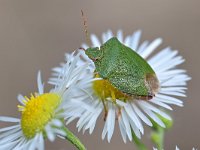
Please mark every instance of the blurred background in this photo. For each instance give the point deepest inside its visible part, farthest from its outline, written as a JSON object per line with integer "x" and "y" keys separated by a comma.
{"x": 34, "y": 35}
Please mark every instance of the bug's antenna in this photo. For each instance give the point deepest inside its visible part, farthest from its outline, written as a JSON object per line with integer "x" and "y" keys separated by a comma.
{"x": 85, "y": 28}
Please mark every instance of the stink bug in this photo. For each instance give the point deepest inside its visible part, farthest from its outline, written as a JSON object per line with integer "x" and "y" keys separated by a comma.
{"x": 124, "y": 69}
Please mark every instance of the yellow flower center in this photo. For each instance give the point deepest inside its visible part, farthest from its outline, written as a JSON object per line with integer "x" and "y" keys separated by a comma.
{"x": 104, "y": 89}
{"x": 37, "y": 112}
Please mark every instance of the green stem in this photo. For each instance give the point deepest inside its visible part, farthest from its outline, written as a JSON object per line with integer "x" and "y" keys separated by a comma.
{"x": 158, "y": 132}
{"x": 73, "y": 139}
{"x": 138, "y": 142}
{"x": 158, "y": 138}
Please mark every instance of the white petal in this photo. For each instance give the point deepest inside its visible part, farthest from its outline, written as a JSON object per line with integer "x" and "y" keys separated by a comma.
{"x": 122, "y": 129}
{"x": 174, "y": 89}
{"x": 57, "y": 123}
{"x": 141, "y": 115}
{"x": 111, "y": 123}
{"x": 92, "y": 121}
{"x": 121, "y": 103}
{"x": 161, "y": 104}
{"x": 142, "y": 47}
{"x": 21, "y": 99}
{"x": 9, "y": 119}
{"x": 133, "y": 117}
{"x": 10, "y": 132}
{"x": 11, "y": 137}
{"x": 153, "y": 116}
{"x": 173, "y": 93}
{"x": 127, "y": 41}
{"x": 168, "y": 99}
{"x": 120, "y": 35}
{"x": 104, "y": 37}
{"x": 41, "y": 142}
{"x": 151, "y": 47}
{"x": 135, "y": 129}
{"x": 135, "y": 40}
{"x": 166, "y": 55}
{"x": 95, "y": 41}
{"x": 8, "y": 146}
{"x": 34, "y": 143}
{"x": 85, "y": 46}
{"x": 126, "y": 123}
{"x": 83, "y": 119}
{"x": 9, "y": 128}
{"x": 40, "y": 84}
{"x": 109, "y": 34}
{"x": 60, "y": 132}
{"x": 49, "y": 133}
{"x": 156, "y": 110}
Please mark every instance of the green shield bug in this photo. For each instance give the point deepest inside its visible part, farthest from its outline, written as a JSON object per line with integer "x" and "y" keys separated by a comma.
{"x": 123, "y": 68}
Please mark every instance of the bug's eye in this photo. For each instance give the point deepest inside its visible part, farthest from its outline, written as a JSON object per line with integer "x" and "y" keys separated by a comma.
{"x": 97, "y": 58}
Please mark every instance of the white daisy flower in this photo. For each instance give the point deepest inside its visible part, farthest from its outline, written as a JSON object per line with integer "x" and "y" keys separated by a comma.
{"x": 177, "y": 148}
{"x": 129, "y": 112}
{"x": 42, "y": 114}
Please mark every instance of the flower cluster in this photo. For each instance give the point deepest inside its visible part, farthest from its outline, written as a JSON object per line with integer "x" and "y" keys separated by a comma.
{"x": 42, "y": 114}
{"x": 129, "y": 112}
{"x": 177, "y": 148}
{"x": 80, "y": 93}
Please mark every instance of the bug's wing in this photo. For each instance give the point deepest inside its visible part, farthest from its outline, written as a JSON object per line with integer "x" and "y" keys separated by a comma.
{"x": 130, "y": 84}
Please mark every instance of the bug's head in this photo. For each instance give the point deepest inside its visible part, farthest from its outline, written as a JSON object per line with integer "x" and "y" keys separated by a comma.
{"x": 94, "y": 53}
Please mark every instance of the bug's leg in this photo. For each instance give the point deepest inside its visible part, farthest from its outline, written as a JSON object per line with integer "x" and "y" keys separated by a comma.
{"x": 114, "y": 101}
{"x": 105, "y": 110}
{"x": 119, "y": 113}
{"x": 96, "y": 74}
{"x": 113, "y": 96}
{"x": 146, "y": 98}
{"x": 104, "y": 106}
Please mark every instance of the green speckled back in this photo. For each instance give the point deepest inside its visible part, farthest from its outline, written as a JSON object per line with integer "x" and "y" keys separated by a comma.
{"x": 124, "y": 68}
